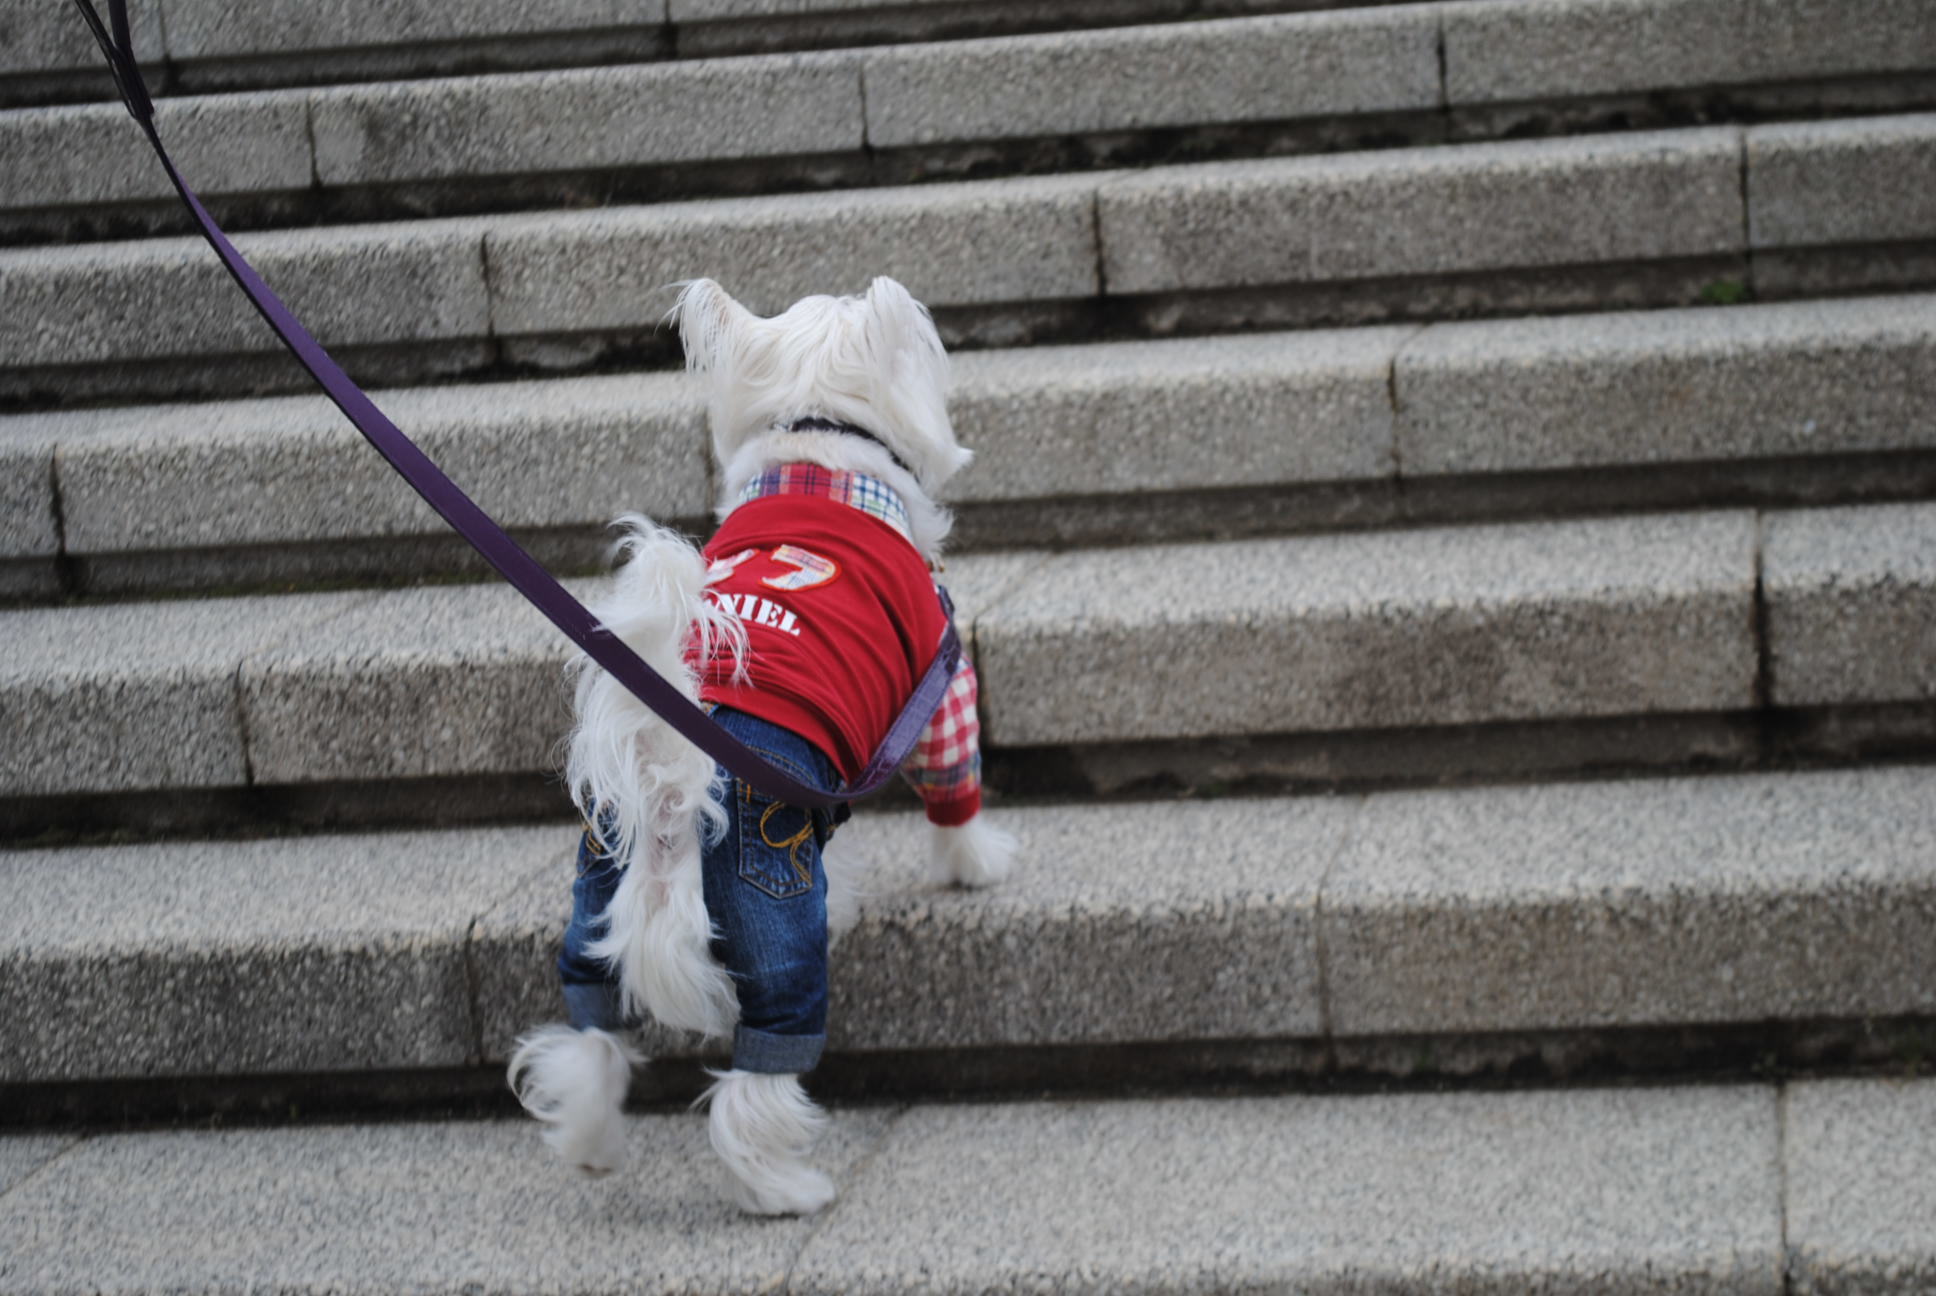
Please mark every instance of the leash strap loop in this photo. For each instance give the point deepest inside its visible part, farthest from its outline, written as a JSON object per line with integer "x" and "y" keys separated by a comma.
{"x": 503, "y": 553}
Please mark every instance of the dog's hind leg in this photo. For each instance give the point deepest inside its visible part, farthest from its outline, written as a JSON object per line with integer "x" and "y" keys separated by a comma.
{"x": 575, "y": 1082}
{"x": 762, "y": 1126}
{"x": 846, "y": 887}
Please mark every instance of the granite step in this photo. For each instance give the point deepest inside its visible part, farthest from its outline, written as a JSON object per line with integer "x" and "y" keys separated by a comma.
{"x": 207, "y": 47}
{"x": 1664, "y": 925}
{"x": 1347, "y": 78}
{"x": 1589, "y": 222}
{"x": 1755, "y": 1189}
{"x": 1125, "y": 442}
{"x": 1728, "y": 636}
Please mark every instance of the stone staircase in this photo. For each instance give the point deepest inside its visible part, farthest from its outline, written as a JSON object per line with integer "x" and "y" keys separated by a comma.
{"x": 1451, "y": 560}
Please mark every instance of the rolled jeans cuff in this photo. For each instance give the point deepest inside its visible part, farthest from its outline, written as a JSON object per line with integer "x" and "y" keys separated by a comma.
{"x": 596, "y": 1004}
{"x": 763, "y": 1051}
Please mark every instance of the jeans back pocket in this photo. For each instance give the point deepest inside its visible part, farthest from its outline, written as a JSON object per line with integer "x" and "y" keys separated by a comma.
{"x": 777, "y": 848}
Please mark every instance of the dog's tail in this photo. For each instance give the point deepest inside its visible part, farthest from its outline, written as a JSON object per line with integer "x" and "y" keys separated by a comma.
{"x": 648, "y": 791}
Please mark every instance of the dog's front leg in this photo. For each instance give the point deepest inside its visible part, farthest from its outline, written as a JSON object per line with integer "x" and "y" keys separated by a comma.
{"x": 973, "y": 854}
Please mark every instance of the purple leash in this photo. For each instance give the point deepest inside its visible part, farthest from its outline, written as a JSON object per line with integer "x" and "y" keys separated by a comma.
{"x": 488, "y": 538}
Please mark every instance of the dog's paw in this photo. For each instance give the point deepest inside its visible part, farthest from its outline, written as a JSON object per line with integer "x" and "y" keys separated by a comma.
{"x": 789, "y": 1190}
{"x": 975, "y": 854}
{"x": 575, "y": 1082}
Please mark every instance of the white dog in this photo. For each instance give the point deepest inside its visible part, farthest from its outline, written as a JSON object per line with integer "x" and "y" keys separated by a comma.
{"x": 805, "y": 624}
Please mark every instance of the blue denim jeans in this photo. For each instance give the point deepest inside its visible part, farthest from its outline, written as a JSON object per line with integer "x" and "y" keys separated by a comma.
{"x": 766, "y": 893}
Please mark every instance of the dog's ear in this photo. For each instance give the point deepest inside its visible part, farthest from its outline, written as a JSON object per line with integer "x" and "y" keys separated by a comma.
{"x": 708, "y": 319}
{"x": 903, "y": 342}
{"x": 902, "y": 333}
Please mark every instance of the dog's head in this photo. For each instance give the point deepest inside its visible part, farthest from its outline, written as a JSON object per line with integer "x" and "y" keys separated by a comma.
{"x": 872, "y": 360}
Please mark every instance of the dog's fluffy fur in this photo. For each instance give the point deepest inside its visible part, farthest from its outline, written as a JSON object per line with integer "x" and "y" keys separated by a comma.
{"x": 874, "y": 361}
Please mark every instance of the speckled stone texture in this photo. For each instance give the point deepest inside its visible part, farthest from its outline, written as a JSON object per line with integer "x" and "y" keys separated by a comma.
{"x": 1861, "y": 1193}
{"x": 52, "y": 38}
{"x": 689, "y": 11}
{"x": 204, "y": 29}
{"x": 1135, "y": 417}
{"x": 1504, "y": 51}
{"x": 160, "y": 298}
{"x": 1568, "y": 907}
{"x": 529, "y": 123}
{"x": 232, "y": 958}
{"x": 412, "y": 683}
{"x": 465, "y": 1206}
{"x": 1122, "y": 924}
{"x": 91, "y": 153}
{"x": 1424, "y": 211}
{"x": 135, "y": 695}
{"x": 1646, "y": 1190}
{"x": 294, "y": 469}
{"x": 1642, "y": 903}
{"x": 1270, "y": 409}
{"x": 1549, "y": 621}
{"x": 950, "y": 244}
{"x": 27, "y": 527}
{"x": 1650, "y": 1191}
{"x": 1851, "y": 597}
{"x": 1668, "y": 386}
{"x": 24, "y": 1155}
{"x": 1235, "y": 70}
{"x": 1866, "y": 180}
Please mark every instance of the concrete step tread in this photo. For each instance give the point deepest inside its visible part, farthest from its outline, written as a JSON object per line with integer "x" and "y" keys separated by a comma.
{"x": 1752, "y": 1189}
{"x": 1673, "y": 197}
{"x": 1717, "y": 901}
{"x": 1273, "y": 67}
{"x": 1290, "y": 410}
{"x": 205, "y": 46}
{"x": 1624, "y": 616}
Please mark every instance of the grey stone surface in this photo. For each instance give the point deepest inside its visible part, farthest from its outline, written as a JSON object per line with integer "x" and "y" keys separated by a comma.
{"x": 1504, "y": 51}
{"x": 24, "y": 1155}
{"x": 1085, "y": 420}
{"x": 27, "y": 524}
{"x": 461, "y": 1206}
{"x": 1643, "y": 903}
{"x": 92, "y": 153}
{"x": 294, "y": 469}
{"x": 135, "y": 695}
{"x": 589, "y": 118}
{"x": 1645, "y": 1190}
{"x": 1424, "y": 211}
{"x": 1121, "y": 924}
{"x": 205, "y": 29}
{"x": 1860, "y": 1192}
{"x": 1235, "y": 70}
{"x": 412, "y": 683}
{"x": 950, "y": 244}
{"x": 979, "y": 583}
{"x": 1862, "y": 181}
{"x": 1138, "y": 417}
{"x": 1851, "y": 597}
{"x": 1435, "y": 627}
{"x": 36, "y": 37}
{"x": 1669, "y": 386}
{"x": 690, "y": 11}
{"x": 416, "y": 281}
{"x": 232, "y": 958}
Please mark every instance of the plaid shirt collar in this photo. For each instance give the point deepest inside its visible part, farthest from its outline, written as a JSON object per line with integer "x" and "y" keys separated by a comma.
{"x": 870, "y": 495}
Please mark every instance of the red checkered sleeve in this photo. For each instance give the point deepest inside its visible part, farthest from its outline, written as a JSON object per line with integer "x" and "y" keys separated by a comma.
{"x": 945, "y": 766}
